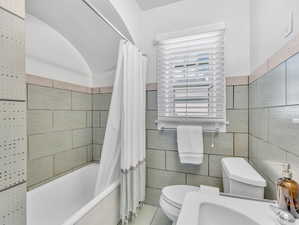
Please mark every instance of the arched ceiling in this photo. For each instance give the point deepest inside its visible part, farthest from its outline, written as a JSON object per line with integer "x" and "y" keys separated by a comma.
{"x": 91, "y": 36}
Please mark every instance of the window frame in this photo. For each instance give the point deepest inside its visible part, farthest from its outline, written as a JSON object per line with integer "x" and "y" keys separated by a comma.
{"x": 207, "y": 122}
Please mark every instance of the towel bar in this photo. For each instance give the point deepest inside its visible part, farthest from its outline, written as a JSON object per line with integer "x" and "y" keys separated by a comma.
{"x": 216, "y": 130}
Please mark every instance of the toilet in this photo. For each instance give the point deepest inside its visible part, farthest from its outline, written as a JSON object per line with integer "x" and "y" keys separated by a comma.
{"x": 239, "y": 178}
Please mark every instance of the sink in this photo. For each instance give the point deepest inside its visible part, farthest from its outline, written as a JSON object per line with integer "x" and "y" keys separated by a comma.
{"x": 213, "y": 214}
{"x": 209, "y": 207}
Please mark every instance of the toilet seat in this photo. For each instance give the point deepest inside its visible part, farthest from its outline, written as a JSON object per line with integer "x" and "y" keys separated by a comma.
{"x": 176, "y": 194}
{"x": 172, "y": 198}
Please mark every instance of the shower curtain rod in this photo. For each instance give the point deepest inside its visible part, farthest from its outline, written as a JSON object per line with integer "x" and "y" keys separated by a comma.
{"x": 102, "y": 17}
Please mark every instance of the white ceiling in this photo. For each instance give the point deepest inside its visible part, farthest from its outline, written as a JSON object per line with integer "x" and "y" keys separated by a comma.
{"x": 150, "y": 4}
{"x": 93, "y": 38}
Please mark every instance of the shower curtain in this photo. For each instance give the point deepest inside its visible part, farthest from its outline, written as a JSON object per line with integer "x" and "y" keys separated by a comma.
{"x": 123, "y": 152}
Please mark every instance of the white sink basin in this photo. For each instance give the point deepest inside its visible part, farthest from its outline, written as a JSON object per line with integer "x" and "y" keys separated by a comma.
{"x": 211, "y": 208}
{"x": 213, "y": 214}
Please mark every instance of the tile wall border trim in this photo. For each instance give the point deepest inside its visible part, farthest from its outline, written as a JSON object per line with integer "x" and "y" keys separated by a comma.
{"x": 290, "y": 49}
{"x": 46, "y": 82}
{"x": 237, "y": 80}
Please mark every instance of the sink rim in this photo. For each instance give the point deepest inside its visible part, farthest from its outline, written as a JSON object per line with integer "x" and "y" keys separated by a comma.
{"x": 204, "y": 203}
{"x": 257, "y": 211}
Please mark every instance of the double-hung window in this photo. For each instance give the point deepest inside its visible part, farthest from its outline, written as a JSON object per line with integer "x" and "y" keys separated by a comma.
{"x": 191, "y": 78}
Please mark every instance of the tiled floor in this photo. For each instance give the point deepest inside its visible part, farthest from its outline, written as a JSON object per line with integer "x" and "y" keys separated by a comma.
{"x": 150, "y": 215}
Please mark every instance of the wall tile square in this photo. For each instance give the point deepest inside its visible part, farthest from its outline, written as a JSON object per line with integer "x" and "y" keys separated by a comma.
{"x": 238, "y": 121}
{"x": 241, "y": 145}
{"x": 155, "y": 159}
{"x": 101, "y": 101}
{"x": 215, "y": 168}
{"x": 39, "y": 170}
{"x": 271, "y": 87}
{"x": 258, "y": 123}
{"x": 50, "y": 143}
{"x": 241, "y": 97}
{"x": 198, "y": 180}
{"x": 229, "y": 97}
{"x": 82, "y": 137}
{"x": 254, "y": 148}
{"x": 65, "y": 120}
{"x": 96, "y": 118}
{"x": 68, "y": 160}
{"x": 104, "y": 118}
{"x": 48, "y": 98}
{"x": 151, "y": 117}
{"x": 96, "y": 152}
{"x": 89, "y": 119}
{"x": 252, "y": 94}
{"x": 223, "y": 143}
{"x": 39, "y": 121}
{"x": 293, "y": 80}
{"x": 162, "y": 178}
{"x": 161, "y": 140}
{"x": 282, "y": 131}
{"x": 81, "y": 101}
{"x": 98, "y": 135}
{"x": 267, "y": 158}
{"x": 173, "y": 163}
{"x": 90, "y": 153}
{"x": 151, "y": 100}
{"x": 152, "y": 196}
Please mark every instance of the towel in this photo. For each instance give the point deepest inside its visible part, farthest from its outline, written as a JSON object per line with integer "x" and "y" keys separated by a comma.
{"x": 190, "y": 144}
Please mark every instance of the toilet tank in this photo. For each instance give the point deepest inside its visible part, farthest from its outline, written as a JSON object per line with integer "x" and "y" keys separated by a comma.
{"x": 240, "y": 178}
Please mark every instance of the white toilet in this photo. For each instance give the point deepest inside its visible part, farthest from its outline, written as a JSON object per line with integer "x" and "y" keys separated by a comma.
{"x": 239, "y": 178}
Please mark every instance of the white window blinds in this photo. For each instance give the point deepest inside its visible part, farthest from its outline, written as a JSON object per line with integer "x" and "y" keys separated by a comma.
{"x": 191, "y": 78}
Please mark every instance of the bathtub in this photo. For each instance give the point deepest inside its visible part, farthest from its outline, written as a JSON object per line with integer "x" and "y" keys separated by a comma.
{"x": 69, "y": 200}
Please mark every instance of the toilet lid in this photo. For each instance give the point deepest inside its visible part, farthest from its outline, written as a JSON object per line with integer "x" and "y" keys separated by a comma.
{"x": 240, "y": 170}
{"x": 176, "y": 194}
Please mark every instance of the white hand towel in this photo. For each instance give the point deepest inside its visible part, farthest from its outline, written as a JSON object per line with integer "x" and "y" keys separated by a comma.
{"x": 190, "y": 144}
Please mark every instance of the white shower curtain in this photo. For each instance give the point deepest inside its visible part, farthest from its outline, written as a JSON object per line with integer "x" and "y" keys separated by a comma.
{"x": 123, "y": 152}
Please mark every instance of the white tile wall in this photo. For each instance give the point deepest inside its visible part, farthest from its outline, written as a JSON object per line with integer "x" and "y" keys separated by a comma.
{"x": 13, "y": 146}
{"x": 12, "y": 58}
{"x": 12, "y": 143}
{"x": 13, "y": 206}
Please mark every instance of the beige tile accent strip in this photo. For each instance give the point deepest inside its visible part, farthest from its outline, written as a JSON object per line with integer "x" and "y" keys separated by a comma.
{"x": 106, "y": 89}
{"x": 96, "y": 90}
{"x": 41, "y": 81}
{"x": 71, "y": 87}
{"x": 237, "y": 80}
{"x": 259, "y": 72}
{"x": 288, "y": 50}
{"x": 32, "y": 79}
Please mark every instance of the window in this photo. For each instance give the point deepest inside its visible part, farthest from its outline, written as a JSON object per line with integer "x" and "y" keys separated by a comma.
{"x": 191, "y": 78}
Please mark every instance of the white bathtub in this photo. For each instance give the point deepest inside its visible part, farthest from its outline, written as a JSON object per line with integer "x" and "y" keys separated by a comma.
{"x": 69, "y": 200}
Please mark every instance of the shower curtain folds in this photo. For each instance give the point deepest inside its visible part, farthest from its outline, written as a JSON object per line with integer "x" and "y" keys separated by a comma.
{"x": 123, "y": 153}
